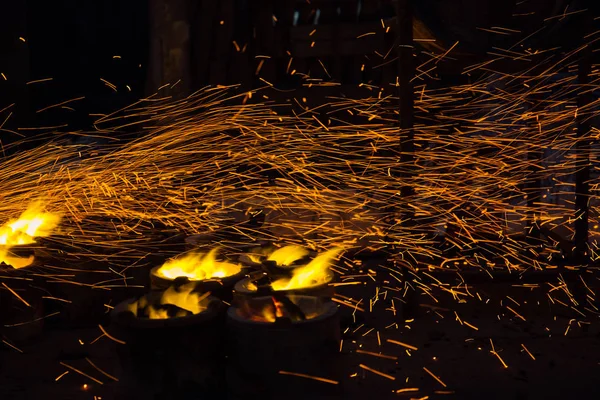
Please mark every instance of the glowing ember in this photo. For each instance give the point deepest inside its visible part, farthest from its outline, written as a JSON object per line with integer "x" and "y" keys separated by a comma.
{"x": 198, "y": 266}
{"x": 288, "y": 307}
{"x": 314, "y": 273}
{"x": 34, "y": 222}
{"x": 173, "y": 303}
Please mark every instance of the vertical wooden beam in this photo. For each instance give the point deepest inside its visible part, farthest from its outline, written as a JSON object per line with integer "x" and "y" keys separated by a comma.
{"x": 169, "y": 45}
{"x": 582, "y": 156}
{"x": 204, "y": 24}
{"x": 582, "y": 151}
{"x": 264, "y": 41}
{"x": 406, "y": 73}
{"x": 223, "y": 51}
{"x": 240, "y": 65}
{"x": 284, "y": 10}
{"x": 533, "y": 185}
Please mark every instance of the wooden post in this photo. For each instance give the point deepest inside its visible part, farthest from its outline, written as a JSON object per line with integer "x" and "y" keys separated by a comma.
{"x": 582, "y": 151}
{"x": 264, "y": 42}
{"x": 204, "y": 23}
{"x": 533, "y": 185}
{"x": 169, "y": 45}
{"x": 582, "y": 158}
{"x": 406, "y": 73}
{"x": 222, "y": 35}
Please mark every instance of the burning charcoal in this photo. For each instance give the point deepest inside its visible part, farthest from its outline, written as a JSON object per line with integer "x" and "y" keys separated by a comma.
{"x": 289, "y": 307}
{"x": 281, "y": 309}
{"x": 272, "y": 269}
{"x": 180, "y": 281}
{"x": 261, "y": 280}
{"x": 264, "y": 289}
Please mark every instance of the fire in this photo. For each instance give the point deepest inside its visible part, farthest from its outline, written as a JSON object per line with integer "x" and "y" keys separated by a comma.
{"x": 312, "y": 274}
{"x": 283, "y": 256}
{"x": 179, "y": 302}
{"x": 267, "y": 314}
{"x": 198, "y": 266}
{"x": 275, "y": 309}
{"x": 15, "y": 262}
{"x": 270, "y": 312}
{"x": 255, "y": 258}
{"x": 34, "y": 222}
{"x": 287, "y": 255}
{"x": 185, "y": 299}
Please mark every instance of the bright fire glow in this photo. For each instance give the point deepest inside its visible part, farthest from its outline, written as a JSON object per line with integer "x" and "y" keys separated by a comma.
{"x": 275, "y": 309}
{"x": 185, "y": 298}
{"x": 269, "y": 313}
{"x": 34, "y": 222}
{"x": 198, "y": 266}
{"x": 287, "y": 255}
{"x": 314, "y": 273}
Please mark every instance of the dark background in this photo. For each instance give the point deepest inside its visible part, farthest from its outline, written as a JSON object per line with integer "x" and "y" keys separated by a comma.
{"x": 75, "y": 42}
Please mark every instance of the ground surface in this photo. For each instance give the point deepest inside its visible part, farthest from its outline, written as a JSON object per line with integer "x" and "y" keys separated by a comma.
{"x": 454, "y": 342}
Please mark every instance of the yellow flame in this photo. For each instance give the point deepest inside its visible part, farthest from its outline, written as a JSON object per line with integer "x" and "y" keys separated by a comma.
{"x": 185, "y": 298}
{"x": 155, "y": 313}
{"x": 314, "y": 273}
{"x": 267, "y": 314}
{"x": 34, "y": 222}
{"x": 288, "y": 254}
{"x": 15, "y": 262}
{"x": 198, "y": 266}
